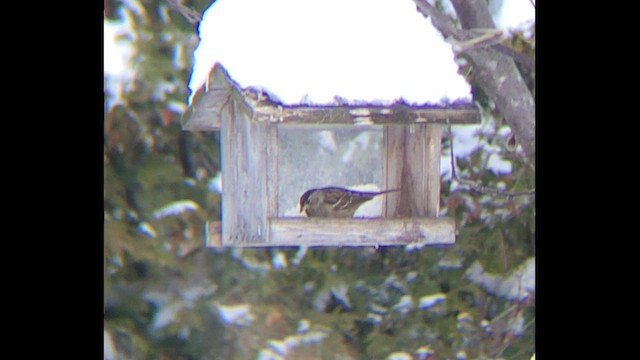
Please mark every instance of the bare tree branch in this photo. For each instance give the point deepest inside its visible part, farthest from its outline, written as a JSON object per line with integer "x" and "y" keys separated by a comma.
{"x": 191, "y": 15}
{"x": 517, "y": 56}
{"x": 484, "y": 38}
{"x": 495, "y": 72}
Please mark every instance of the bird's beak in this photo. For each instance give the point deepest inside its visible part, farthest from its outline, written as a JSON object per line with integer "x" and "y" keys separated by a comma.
{"x": 303, "y": 208}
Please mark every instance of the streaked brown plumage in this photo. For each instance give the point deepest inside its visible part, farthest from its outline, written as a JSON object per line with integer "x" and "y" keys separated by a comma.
{"x": 335, "y": 202}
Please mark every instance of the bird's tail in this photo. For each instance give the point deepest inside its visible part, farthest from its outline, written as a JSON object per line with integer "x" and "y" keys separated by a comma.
{"x": 388, "y": 191}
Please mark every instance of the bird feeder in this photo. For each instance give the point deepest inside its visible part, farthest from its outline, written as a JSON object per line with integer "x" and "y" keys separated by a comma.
{"x": 270, "y": 155}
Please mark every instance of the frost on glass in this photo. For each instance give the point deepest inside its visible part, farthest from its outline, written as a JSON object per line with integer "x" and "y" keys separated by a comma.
{"x": 319, "y": 156}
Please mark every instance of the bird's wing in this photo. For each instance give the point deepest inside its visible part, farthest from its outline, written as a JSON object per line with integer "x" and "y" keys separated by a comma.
{"x": 343, "y": 199}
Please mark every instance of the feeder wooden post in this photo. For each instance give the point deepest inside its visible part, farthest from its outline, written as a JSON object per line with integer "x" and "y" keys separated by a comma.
{"x": 413, "y": 165}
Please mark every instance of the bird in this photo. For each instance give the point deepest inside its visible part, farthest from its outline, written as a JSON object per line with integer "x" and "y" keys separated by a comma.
{"x": 335, "y": 202}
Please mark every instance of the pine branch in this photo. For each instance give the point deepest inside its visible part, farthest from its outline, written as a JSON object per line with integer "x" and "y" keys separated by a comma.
{"x": 479, "y": 188}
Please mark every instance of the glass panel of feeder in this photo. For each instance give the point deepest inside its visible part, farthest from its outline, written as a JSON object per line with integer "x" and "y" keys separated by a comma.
{"x": 320, "y": 156}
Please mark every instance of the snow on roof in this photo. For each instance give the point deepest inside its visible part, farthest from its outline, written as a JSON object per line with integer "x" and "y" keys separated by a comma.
{"x": 309, "y": 51}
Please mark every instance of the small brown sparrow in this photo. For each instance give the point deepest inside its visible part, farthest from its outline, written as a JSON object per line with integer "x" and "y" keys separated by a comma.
{"x": 335, "y": 202}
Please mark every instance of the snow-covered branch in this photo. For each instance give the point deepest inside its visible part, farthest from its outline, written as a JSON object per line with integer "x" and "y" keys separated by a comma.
{"x": 479, "y": 188}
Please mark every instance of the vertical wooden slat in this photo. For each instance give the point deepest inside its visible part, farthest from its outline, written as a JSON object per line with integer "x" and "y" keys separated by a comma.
{"x": 256, "y": 181}
{"x": 413, "y": 164}
{"x": 434, "y": 147}
{"x": 244, "y": 185}
{"x": 271, "y": 159}
{"x": 253, "y": 203}
{"x": 229, "y": 182}
{"x": 393, "y": 139}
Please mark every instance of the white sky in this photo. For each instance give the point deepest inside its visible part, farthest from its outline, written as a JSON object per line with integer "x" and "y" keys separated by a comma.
{"x": 515, "y": 13}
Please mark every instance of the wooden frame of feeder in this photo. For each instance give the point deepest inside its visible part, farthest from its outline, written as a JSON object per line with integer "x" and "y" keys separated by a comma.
{"x": 249, "y": 122}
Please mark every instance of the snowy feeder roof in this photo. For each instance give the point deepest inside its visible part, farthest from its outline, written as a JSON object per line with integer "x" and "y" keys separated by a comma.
{"x": 204, "y": 113}
{"x": 274, "y": 147}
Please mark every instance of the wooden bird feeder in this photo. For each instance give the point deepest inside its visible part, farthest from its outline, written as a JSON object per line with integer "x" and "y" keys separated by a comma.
{"x": 270, "y": 154}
